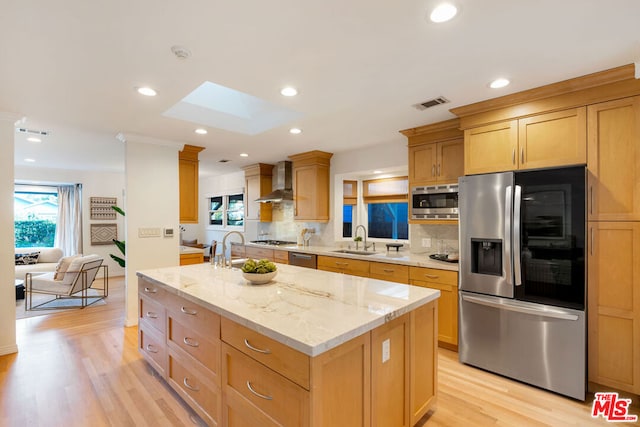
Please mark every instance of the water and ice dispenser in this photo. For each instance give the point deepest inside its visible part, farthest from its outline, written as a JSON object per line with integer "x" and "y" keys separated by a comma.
{"x": 486, "y": 256}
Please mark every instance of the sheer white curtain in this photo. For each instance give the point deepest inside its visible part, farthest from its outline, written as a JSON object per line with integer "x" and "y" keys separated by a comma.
{"x": 69, "y": 228}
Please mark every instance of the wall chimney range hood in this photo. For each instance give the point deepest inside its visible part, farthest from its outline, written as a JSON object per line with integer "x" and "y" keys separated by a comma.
{"x": 283, "y": 189}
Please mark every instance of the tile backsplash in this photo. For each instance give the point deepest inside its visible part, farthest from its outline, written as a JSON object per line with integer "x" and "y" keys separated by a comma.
{"x": 445, "y": 236}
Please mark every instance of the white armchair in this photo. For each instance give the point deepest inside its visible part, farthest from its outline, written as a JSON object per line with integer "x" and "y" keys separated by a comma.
{"x": 75, "y": 284}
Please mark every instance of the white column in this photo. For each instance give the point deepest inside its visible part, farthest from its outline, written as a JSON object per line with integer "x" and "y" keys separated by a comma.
{"x": 151, "y": 202}
{"x": 7, "y": 239}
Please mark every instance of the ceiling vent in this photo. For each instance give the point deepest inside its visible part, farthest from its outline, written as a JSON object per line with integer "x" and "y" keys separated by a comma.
{"x": 33, "y": 132}
{"x": 431, "y": 103}
{"x": 223, "y": 161}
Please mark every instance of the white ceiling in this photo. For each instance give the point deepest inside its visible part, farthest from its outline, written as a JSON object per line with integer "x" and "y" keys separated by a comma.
{"x": 70, "y": 67}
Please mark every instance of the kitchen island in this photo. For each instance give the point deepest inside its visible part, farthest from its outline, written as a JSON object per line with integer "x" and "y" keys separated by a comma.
{"x": 311, "y": 348}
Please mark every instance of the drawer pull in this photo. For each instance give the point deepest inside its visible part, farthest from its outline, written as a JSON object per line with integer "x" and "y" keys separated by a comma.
{"x": 388, "y": 270}
{"x": 189, "y": 312}
{"x": 151, "y": 348}
{"x": 150, "y": 290}
{"x": 259, "y": 350}
{"x": 189, "y": 386}
{"x": 152, "y": 315}
{"x": 263, "y": 396}
{"x": 342, "y": 263}
{"x": 191, "y": 342}
{"x": 431, "y": 276}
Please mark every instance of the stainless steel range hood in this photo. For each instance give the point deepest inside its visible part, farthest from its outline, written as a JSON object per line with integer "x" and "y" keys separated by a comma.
{"x": 282, "y": 188}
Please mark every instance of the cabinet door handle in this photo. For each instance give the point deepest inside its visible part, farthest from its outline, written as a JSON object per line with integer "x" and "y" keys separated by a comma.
{"x": 185, "y": 381}
{"x": 431, "y": 276}
{"x": 388, "y": 270}
{"x": 151, "y": 348}
{"x": 263, "y": 396}
{"x": 592, "y": 233}
{"x": 522, "y": 155}
{"x": 189, "y": 312}
{"x": 438, "y": 169}
{"x": 433, "y": 170}
{"x": 191, "y": 342}
{"x": 591, "y": 198}
{"x": 152, "y": 315}
{"x": 513, "y": 156}
{"x": 150, "y": 290}
{"x": 259, "y": 350}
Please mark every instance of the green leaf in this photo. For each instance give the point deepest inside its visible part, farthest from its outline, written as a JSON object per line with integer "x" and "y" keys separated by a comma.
{"x": 117, "y": 259}
{"x": 117, "y": 209}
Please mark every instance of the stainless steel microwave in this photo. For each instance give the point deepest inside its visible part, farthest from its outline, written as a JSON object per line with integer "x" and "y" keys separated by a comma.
{"x": 435, "y": 202}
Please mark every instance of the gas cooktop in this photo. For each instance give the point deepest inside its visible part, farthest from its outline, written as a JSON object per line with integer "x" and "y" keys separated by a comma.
{"x": 273, "y": 242}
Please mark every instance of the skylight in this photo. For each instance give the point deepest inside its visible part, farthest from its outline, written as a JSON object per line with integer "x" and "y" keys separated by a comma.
{"x": 217, "y": 106}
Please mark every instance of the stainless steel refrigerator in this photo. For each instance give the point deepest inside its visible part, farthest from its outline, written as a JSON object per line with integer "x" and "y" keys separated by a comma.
{"x": 522, "y": 276}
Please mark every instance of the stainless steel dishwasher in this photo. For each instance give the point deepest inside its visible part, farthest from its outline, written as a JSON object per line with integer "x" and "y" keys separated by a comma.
{"x": 303, "y": 260}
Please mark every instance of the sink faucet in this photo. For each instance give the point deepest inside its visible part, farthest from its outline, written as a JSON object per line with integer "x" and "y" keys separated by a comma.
{"x": 225, "y": 262}
{"x": 364, "y": 230}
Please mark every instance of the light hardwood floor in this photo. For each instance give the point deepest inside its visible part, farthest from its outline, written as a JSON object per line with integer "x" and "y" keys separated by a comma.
{"x": 82, "y": 368}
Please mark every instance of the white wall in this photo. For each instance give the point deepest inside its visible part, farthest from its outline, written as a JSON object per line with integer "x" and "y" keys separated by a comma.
{"x": 151, "y": 201}
{"x": 7, "y": 264}
{"x": 94, "y": 184}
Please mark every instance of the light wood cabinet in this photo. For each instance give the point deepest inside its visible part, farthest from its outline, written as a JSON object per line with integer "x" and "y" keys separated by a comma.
{"x": 447, "y": 283}
{"x": 614, "y": 305}
{"x": 354, "y": 267}
{"x": 543, "y": 140}
{"x": 614, "y": 159}
{"x": 311, "y": 185}
{"x": 390, "y": 272}
{"x": 188, "y": 183}
{"x": 436, "y": 163}
{"x": 188, "y": 259}
{"x": 258, "y": 180}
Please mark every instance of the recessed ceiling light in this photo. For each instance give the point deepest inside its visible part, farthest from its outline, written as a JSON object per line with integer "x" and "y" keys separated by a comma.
{"x": 498, "y": 83}
{"x": 443, "y": 12}
{"x": 146, "y": 91}
{"x": 244, "y": 155}
{"x": 201, "y": 131}
{"x": 29, "y": 160}
{"x": 34, "y": 139}
{"x": 295, "y": 131}
{"x": 289, "y": 91}
{"x": 377, "y": 172}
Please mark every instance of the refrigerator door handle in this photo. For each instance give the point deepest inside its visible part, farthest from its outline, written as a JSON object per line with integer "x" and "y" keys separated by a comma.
{"x": 501, "y": 304}
{"x": 517, "y": 268}
{"x": 508, "y": 208}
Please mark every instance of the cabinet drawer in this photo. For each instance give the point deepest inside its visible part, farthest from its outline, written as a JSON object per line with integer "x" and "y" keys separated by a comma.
{"x": 258, "y": 253}
{"x": 194, "y": 316}
{"x": 152, "y": 312}
{"x": 391, "y": 272}
{"x": 344, "y": 265}
{"x": 151, "y": 290}
{"x": 195, "y": 385}
{"x": 434, "y": 275}
{"x": 188, "y": 259}
{"x": 281, "y": 256}
{"x": 151, "y": 344}
{"x": 285, "y": 360}
{"x": 285, "y": 402}
{"x": 198, "y": 345}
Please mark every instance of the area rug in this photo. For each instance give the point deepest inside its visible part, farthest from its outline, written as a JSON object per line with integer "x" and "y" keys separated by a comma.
{"x": 55, "y": 306}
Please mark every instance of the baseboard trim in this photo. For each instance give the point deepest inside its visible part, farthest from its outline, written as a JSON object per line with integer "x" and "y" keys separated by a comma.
{"x": 8, "y": 349}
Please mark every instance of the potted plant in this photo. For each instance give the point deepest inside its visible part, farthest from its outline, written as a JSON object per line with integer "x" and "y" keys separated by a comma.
{"x": 119, "y": 243}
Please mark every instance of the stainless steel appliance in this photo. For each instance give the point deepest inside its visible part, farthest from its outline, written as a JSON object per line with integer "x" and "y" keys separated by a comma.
{"x": 303, "y": 260}
{"x": 522, "y": 276}
{"x": 435, "y": 202}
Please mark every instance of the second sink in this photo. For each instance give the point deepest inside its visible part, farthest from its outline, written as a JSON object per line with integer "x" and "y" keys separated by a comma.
{"x": 349, "y": 251}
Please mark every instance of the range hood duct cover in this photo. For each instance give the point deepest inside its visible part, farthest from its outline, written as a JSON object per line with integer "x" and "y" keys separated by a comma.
{"x": 283, "y": 189}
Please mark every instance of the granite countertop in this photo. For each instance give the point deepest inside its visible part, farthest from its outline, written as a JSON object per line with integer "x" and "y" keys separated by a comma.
{"x": 392, "y": 257}
{"x": 309, "y": 310}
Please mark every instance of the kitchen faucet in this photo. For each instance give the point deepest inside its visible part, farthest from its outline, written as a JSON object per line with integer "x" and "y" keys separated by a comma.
{"x": 225, "y": 262}
{"x": 365, "y": 236}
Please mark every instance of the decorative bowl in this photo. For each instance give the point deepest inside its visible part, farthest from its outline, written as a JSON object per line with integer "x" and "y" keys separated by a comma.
{"x": 259, "y": 278}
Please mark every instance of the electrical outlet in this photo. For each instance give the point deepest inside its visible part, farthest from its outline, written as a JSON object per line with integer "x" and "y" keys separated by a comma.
{"x": 386, "y": 350}
{"x": 149, "y": 232}
{"x": 426, "y": 242}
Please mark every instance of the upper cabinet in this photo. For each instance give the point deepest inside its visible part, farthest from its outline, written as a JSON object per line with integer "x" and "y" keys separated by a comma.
{"x": 614, "y": 159}
{"x": 258, "y": 180}
{"x": 311, "y": 186}
{"x": 188, "y": 176}
{"x": 543, "y": 140}
{"x": 436, "y": 153}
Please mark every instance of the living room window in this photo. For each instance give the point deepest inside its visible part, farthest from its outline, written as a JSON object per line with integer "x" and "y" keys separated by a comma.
{"x": 35, "y": 211}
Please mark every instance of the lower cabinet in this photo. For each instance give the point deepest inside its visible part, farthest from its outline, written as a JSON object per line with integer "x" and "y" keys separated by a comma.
{"x": 614, "y": 305}
{"x": 234, "y": 376}
{"x": 353, "y": 267}
{"x": 447, "y": 283}
{"x": 188, "y": 259}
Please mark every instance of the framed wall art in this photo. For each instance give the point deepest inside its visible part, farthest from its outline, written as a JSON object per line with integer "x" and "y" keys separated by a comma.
{"x": 101, "y": 207}
{"x": 103, "y": 234}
